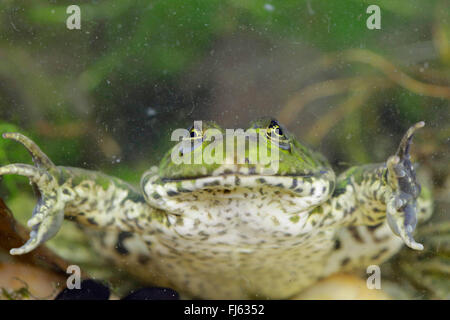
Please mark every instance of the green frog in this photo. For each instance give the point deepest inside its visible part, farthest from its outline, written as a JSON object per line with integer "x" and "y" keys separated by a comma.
{"x": 234, "y": 230}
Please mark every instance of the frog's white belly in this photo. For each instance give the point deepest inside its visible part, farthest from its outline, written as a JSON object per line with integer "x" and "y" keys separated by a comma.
{"x": 273, "y": 269}
{"x": 233, "y": 247}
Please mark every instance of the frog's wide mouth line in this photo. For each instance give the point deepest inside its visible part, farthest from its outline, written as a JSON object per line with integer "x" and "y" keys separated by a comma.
{"x": 306, "y": 184}
{"x": 245, "y": 171}
{"x": 239, "y": 174}
{"x": 230, "y": 181}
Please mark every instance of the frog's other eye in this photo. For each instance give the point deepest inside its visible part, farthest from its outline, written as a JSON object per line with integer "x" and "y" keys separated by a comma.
{"x": 195, "y": 134}
{"x": 192, "y": 141}
{"x": 275, "y": 134}
{"x": 274, "y": 130}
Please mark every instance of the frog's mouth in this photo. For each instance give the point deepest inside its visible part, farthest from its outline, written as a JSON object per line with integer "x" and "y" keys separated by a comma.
{"x": 310, "y": 187}
{"x": 232, "y": 176}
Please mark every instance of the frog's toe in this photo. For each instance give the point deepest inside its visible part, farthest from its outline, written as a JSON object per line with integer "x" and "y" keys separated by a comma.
{"x": 44, "y": 226}
{"x": 48, "y": 214}
{"x": 401, "y": 217}
{"x": 405, "y": 144}
{"x": 45, "y": 222}
{"x": 30, "y": 245}
{"x": 26, "y": 170}
{"x": 39, "y": 158}
{"x": 35, "y": 219}
{"x": 41, "y": 173}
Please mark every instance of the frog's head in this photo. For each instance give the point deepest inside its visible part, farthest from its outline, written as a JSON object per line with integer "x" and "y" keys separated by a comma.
{"x": 207, "y": 157}
{"x": 265, "y": 148}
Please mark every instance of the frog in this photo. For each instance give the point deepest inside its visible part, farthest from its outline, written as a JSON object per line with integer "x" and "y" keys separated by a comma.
{"x": 234, "y": 230}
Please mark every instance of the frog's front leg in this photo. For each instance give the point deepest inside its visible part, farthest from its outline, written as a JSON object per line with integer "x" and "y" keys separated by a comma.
{"x": 368, "y": 195}
{"x": 88, "y": 197}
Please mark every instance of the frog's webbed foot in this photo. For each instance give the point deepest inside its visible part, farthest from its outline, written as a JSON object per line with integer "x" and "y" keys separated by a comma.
{"x": 401, "y": 204}
{"x": 48, "y": 214}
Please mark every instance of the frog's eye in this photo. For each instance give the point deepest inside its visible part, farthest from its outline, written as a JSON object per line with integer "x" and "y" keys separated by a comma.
{"x": 192, "y": 141}
{"x": 275, "y": 134}
{"x": 194, "y": 133}
{"x": 276, "y": 131}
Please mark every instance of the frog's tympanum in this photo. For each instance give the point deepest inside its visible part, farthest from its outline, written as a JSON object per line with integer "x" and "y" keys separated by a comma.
{"x": 232, "y": 230}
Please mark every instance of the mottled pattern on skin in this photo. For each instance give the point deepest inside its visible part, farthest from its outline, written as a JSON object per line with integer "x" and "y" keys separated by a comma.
{"x": 103, "y": 202}
{"x": 265, "y": 255}
{"x": 230, "y": 231}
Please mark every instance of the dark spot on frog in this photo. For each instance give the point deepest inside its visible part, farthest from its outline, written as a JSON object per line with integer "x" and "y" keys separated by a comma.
{"x": 212, "y": 183}
{"x": 294, "y": 183}
{"x": 155, "y": 196}
{"x": 171, "y": 193}
{"x": 379, "y": 254}
{"x": 345, "y": 261}
{"x": 120, "y": 247}
{"x": 355, "y": 234}
{"x": 92, "y": 221}
{"x": 143, "y": 259}
{"x": 337, "y": 244}
{"x": 373, "y": 228}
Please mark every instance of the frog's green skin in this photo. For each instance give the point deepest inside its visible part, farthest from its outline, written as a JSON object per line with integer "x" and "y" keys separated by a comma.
{"x": 232, "y": 231}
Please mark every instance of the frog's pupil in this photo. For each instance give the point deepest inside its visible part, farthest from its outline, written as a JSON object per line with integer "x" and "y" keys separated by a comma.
{"x": 275, "y": 127}
{"x": 278, "y": 131}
